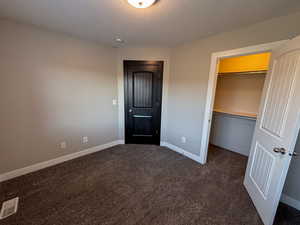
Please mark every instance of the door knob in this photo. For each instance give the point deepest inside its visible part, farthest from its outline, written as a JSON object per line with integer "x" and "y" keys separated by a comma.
{"x": 280, "y": 150}
{"x": 294, "y": 154}
{"x": 130, "y": 110}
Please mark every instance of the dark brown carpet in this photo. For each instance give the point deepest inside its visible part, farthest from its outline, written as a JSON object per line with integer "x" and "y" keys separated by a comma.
{"x": 287, "y": 215}
{"x": 135, "y": 185}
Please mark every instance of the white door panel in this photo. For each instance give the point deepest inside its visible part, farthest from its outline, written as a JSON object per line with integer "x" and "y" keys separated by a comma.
{"x": 277, "y": 128}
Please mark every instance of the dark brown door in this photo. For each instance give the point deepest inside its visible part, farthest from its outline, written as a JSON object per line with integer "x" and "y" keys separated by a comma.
{"x": 143, "y": 95}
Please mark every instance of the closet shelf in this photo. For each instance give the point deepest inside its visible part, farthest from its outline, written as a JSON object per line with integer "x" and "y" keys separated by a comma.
{"x": 249, "y": 73}
{"x": 240, "y": 114}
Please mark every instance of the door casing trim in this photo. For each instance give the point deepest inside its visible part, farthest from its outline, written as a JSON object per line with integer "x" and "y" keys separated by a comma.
{"x": 212, "y": 82}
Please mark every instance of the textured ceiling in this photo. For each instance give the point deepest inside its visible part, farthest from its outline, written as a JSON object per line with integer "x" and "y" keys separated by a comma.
{"x": 167, "y": 23}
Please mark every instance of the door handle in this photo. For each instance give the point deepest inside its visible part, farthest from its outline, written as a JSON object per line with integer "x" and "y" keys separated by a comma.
{"x": 130, "y": 110}
{"x": 280, "y": 150}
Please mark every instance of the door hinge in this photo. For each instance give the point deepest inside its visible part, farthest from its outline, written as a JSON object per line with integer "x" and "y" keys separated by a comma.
{"x": 293, "y": 154}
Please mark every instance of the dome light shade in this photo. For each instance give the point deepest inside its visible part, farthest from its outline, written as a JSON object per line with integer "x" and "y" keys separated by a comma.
{"x": 141, "y": 4}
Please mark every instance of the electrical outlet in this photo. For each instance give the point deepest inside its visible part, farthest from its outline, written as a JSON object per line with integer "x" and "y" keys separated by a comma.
{"x": 63, "y": 145}
{"x": 183, "y": 139}
{"x": 9, "y": 208}
{"x": 114, "y": 102}
{"x": 85, "y": 140}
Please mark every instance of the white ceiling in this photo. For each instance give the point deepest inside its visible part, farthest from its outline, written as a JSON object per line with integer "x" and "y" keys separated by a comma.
{"x": 167, "y": 23}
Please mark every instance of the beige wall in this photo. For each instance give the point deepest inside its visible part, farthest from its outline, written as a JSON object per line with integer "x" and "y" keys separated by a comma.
{"x": 239, "y": 93}
{"x": 136, "y": 53}
{"x": 53, "y": 88}
{"x": 190, "y": 69}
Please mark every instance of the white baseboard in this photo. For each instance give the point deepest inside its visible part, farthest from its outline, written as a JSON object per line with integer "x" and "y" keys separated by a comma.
{"x": 181, "y": 151}
{"x": 52, "y": 162}
{"x": 290, "y": 201}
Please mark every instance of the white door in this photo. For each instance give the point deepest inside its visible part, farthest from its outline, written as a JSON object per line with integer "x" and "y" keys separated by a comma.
{"x": 276, "y": 131}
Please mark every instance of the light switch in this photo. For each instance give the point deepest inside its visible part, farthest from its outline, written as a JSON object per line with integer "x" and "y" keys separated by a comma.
{"x": 114, "y": 102}
{"x": 85, "y": 140}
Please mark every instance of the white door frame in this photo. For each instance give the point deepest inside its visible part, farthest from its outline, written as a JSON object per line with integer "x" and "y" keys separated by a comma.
{"x": 212, "y": 83}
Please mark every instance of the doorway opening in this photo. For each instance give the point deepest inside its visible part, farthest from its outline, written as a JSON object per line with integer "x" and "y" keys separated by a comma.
{"x": 240, "y": 83}
{"x": 143, "y": 83}
{"x": 212, "y": 85}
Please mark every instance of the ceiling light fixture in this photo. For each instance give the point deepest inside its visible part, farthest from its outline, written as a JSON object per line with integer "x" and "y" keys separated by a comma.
{"x": 141, "y": 4}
